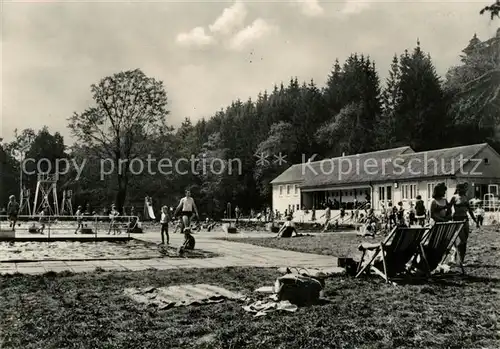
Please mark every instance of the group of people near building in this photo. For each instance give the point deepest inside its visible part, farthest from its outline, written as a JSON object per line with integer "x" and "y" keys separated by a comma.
{"x": 441, "y": 210}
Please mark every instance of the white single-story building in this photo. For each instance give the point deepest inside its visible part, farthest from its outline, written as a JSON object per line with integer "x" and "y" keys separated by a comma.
{"x": 391, "y": 175}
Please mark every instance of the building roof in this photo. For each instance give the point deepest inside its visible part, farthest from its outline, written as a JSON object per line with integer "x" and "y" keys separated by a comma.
{"x": 298, "y": 172}
{"x": 290, "y": 175}
{"x": 397, "y": 164}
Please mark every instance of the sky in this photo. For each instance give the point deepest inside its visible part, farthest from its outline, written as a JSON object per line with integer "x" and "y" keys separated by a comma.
{"x": 207, "y": 53}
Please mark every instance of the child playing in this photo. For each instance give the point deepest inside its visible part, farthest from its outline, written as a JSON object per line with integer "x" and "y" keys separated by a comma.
{"x": 189, "y": 244}
{"x": 164, "y": 225}
{"x": 12, "y": 211}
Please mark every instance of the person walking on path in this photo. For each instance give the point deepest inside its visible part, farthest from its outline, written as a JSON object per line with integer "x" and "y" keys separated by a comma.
{"x": 186, "y": 208}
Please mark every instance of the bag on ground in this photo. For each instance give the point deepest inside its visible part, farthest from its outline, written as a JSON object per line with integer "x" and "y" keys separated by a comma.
{"x": 297, "y": 289}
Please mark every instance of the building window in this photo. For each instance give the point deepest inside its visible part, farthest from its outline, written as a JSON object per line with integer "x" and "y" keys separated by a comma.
{"x": 409, "y": 191}
{"x": 389, "y": 193}
{"x": 281, "y": 190}
{"x": 296, "y": 188}
{"x": 287, "y": 190}
{"x": 430, "y": 190}
{"x": 381, "y": 193}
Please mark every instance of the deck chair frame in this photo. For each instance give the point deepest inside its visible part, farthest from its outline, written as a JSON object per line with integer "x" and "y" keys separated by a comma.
{"x": 383, "y": 248}
{"x": 452, "y": 238}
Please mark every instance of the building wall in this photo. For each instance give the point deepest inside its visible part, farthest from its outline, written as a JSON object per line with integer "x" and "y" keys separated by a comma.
{"x": 284, "y": 200}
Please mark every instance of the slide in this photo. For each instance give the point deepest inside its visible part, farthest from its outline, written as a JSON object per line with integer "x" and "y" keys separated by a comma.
{"x": 150, "y": 211}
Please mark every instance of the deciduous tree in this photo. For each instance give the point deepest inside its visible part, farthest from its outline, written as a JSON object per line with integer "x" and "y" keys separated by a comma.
{"x": 129, "y": 109}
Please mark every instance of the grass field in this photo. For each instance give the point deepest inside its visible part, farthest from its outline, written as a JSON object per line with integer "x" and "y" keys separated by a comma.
{"x": 486, "y": 240}
{"x": 90, "y": 311}
{"x": 333, "y": 244}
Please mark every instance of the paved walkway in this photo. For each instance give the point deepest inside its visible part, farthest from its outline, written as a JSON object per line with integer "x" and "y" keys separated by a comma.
{"x": 232, "y": 254}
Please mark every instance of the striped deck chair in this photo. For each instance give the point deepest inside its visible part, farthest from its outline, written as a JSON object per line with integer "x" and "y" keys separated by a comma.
{"x": 437, "y": 244}
{"x": 397, "y": 251}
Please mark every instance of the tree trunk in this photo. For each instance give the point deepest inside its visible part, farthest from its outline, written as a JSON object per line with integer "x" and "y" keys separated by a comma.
{"x": 122, "y": 193}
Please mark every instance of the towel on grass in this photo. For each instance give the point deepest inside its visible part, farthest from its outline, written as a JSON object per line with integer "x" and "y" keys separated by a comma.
{"x": 261, "y": 308}
{"x": 181, "y": 295}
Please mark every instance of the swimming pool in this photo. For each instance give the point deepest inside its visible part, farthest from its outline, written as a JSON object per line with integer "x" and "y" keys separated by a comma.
{"x": 24, "y": 251}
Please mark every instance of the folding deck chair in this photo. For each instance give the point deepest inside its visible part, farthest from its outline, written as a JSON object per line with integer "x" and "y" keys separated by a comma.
{"x": 397, "y": 250}
{"x": 437, "y": 244}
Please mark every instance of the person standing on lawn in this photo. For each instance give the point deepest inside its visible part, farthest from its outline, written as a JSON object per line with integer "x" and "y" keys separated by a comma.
{"x": 412, "y": 215}
{"x": 461, "y": 208}
{"x": 400, "y": 215}
{"x": 479, "y": 213}
{"x": 440, "y": 209}
{"x": 420, "y": 211}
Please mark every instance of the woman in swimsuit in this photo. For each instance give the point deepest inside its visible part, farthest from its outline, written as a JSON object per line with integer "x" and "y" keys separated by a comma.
{"x": 440, "y": 209}
{"x": 461, "y": 208}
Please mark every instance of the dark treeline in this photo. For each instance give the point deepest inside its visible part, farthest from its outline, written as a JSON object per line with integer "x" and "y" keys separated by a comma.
{"x": 355, "y": 112}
